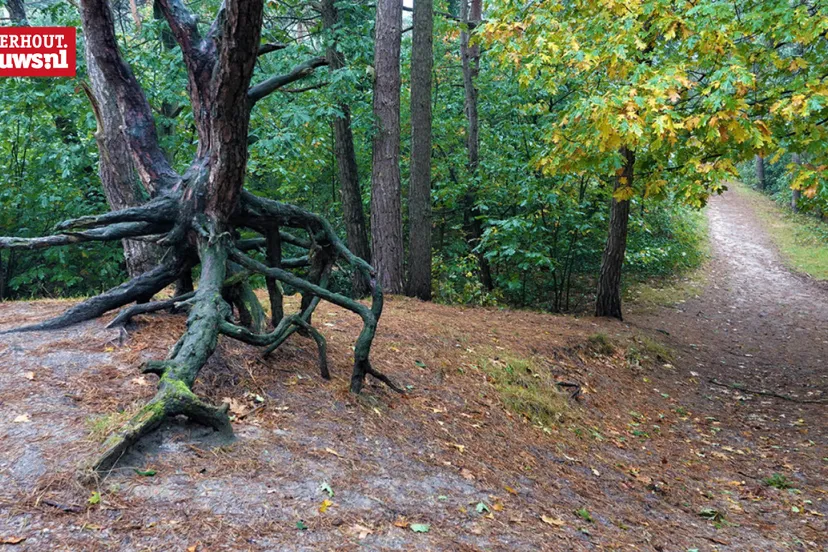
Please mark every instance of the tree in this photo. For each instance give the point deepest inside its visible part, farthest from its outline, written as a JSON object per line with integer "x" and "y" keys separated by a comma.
{"x": 115, "y": 168}
{"x": 386, "y": 208}
{"x": 17, "y": 12}
{"x": 641, "y": 95}
{"x": 760, "y": 171}
{"x": 471, "y": 13}
{"x": 419, "y": 188}
{"x": 352, "y": 212}
{"x": 196, "y": 216}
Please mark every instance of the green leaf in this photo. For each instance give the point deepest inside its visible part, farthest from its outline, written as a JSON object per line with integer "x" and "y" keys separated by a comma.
{"x": 420, "y": 527}
{"x": 301, "y": 525}
{"x": 145, "y": 473}
{"x": 325, "y": 488}
{"x": 95, "y": 498}
{"x": 584, "y": 514}
{"x": 420, "y": 363}
{"x": 481, "y": 507}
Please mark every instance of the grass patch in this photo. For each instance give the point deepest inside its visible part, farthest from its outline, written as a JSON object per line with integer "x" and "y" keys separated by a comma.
{"x": 101, "y": 426}
{"x": 601, "y": 344}
{"x": 528, "y": 390}
{"x": 682, "y": 277}
{"x": 801, "y": 239}
{"x": 646, "y": 350}
{"x": 778, "y": 481}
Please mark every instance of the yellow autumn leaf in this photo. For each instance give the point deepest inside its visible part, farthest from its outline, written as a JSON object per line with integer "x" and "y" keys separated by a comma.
{"x": 624, "y": 193}
{"x": 325, "y": 505}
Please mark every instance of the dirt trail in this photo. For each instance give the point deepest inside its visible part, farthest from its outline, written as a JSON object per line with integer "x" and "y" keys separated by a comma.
{"x": 649, "y": 446}
{"x": 756, "y": 323}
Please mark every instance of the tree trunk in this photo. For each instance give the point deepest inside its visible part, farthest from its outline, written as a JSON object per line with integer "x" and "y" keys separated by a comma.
{"x": 17, "y": 13}
{"x": 352, "y": 212}
{"x": 419, "y": 187}
{"x": 118, "y": 177}
{"x": 472, "y": 13}
{"x": 386, "y": 209}
{"x": 608, "y": 300}
{"x": 196, "y": 215}
{"x": 760, "y": 171}
{"x": 797, "y": 160}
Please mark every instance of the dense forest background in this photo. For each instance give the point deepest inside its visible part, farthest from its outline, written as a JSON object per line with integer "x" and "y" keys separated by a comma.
{"x": 541, "y": 235}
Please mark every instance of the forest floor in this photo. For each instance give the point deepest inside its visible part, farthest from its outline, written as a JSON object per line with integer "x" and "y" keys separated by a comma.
{"x": 481, "y": 453}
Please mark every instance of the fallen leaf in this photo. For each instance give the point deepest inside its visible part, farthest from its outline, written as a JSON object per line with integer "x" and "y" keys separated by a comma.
{"x": 459, "y": 447}
{"x": 467, "y": 474}
{"x": 325, "y": 505}
{"x": 326, "y": 488}
{"x": 510, "y": 490}
{"x": 237, "y": 408}
{"x": 360, "y": 531}
{"x": 22, "y": 419}
{"x": 11, "y": 540}
{"x": 332, "y": 451}
{"x": 29, "y": 375}
{"x": 192, "y": 548}
{"x": 557, "y": 522}
{"x": 140, "y": 380}
{"x": 420, "y": 527}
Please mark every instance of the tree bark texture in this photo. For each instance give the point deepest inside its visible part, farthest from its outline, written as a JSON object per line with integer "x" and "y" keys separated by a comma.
{"x": 386, "y": 207}
{"x": 608, "y": 300}
{"x": 115, "y": 168}
{"x": 419, "y": 188}
{"x": 760, "y": 171}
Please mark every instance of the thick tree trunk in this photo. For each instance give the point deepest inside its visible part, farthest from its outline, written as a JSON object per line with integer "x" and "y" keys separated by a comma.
{"x": 760, "y": 171}
{"x": 419, "y": 187}
{"x": 120, "y": 182}
{"x": 194, "y": 216}
{"x": 386, "y": 208}
{"x": 608, "y": 300}
{"x": 17, "y": 13}
{"x": 795, "y": 194}
{"x": 356, "y": 230}
{"x": 471, "y": 12}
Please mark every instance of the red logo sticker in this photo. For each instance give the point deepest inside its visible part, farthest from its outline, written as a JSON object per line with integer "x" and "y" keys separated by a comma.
{"x": 37, "y": 52}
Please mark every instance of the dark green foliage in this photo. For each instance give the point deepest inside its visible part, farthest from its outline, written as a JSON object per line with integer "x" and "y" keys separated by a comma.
{"x": 542, "y": 235}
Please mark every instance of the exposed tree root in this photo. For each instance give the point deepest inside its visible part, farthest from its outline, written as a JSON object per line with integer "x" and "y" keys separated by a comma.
{"x": 223, "y": 285}
{"x": 127, "y": 314}
{"x": 199, "y": 215}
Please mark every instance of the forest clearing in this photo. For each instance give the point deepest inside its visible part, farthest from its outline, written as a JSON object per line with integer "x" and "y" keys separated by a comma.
{"x": 413, "y": 275}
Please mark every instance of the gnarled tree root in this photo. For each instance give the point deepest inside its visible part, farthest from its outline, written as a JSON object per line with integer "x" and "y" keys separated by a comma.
{"x": 225, "y": 267}
{"x": 174, "y": 398}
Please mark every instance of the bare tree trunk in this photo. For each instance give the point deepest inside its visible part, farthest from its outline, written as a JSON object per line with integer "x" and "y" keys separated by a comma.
{"x": 608, "y": 300}
{"x": 386, "y": 208}
{"x": 419, "y": 187}
{"x": 352, "y": 212}
{"x": 17, "y": 12}
{"x": 120, "y": 182}
{"x": 795, "y": 194}
{"x": 760, "y": 171}
{"x": 472, "y": 14}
